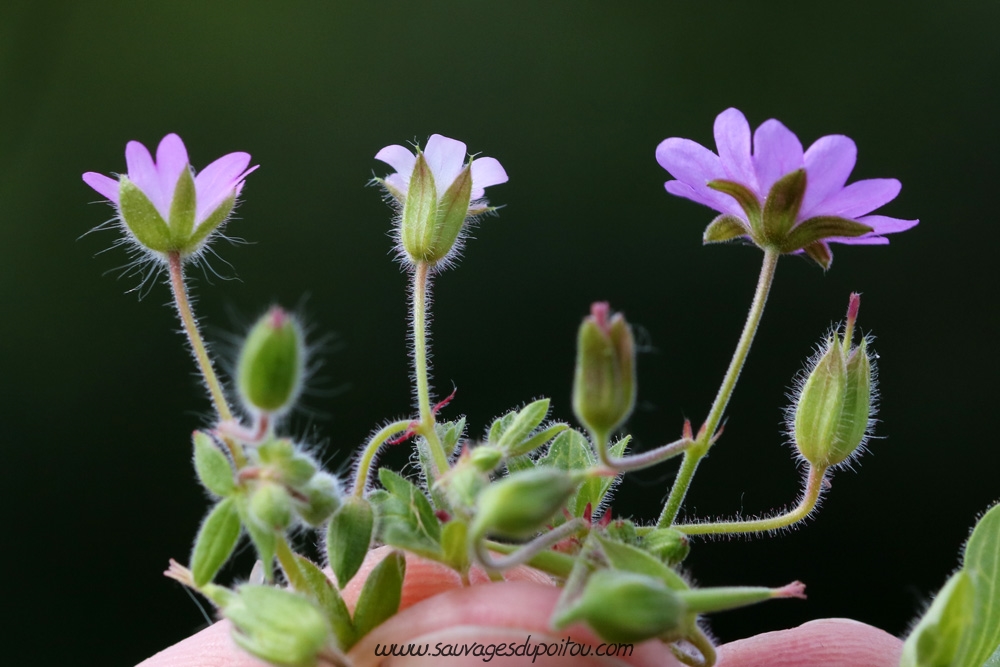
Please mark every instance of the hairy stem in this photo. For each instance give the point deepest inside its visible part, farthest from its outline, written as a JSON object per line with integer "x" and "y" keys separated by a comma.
{"x": 524, "y": 553}
{"x": 368, "y": 455}
{"x": 421, "y": 286}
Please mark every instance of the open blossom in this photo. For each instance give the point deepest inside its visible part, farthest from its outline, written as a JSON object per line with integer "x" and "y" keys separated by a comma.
{"x": 778, "y": 195}
{"x": 437, "y": 190}
{"x": 164, "y": 204}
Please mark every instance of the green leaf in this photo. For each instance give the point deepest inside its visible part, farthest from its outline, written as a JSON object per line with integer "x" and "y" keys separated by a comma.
{"x": 724, "y": 228}
{"x": 744, "y": 197}
{"x": 816, "y": 229}
{"x": 450, "y": 433}
{"x": 633, "y": 559}
{"x": 596, "y": 489}
{"x": 537, "y": 440}
{"x": 381, "y": 594}
{"x": 326, "y": 594}
{"x": 182, "y": 210}
{"x": 349, "y": 537}
{"x": 519, "y": 463}
{"x": 525, "y": 421}
{"x": 499, "y": 425}
{"x": 212, "y": 466}
{"x": 455, "y": 545}
{"x": 406, "y": 518}
{"x": 935, "y": 640}
{"x": 142, "y": 218}
{"x": 982, "y": 562}
{"x": 571, "y": 451}
{"x": 782, "y": 207}
{"x": 215, "y": 542}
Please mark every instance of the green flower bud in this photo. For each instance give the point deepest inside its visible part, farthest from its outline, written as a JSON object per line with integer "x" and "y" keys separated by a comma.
{"x": 271, "y": 363}
{"x": 832, "y": 413}
{"x": 276, "y": 625}
{"x": 271, "y": 506}
{"x": 669, "y": 545}
{"x": 626, "y": 607}
{"x": 604, "y": 384}
{"x": 464, "y": 482}
{"x": 323, "y": 493}
{"x": 519, "y": 505}
{"x": 485, "y": 457}
{"x": 431, "y": 225}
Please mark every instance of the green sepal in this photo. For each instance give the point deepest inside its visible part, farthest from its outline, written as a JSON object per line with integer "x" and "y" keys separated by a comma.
{"x": 935, "y": 640}
{"x": 142, "y": 218}
{"x": 210, "y": 224}
{"x": 782, "y": 206}
{"x": 217, "y": 537}
{"x": 857, "y": 405}
{"x": 633, "y": 559}
{"x": 820, "y": 405}
{"x": 451, "y": 214}
{"x": 454, "y": 544}
{"x": 745, "y": 198}
{"x": 449, "y": 433}
{"x": 419, "y": 213}
{"x": 820, "y": 253}
{"x": 405, "y": 517}
{"x": 277, "y": 625}
{"x": 349, "y": 537}
{"x": 816, "y": 229}
{"x": 526, "y": 420}
{"x": 212, "y": 466}
{"x": 982, "y": 562}
{"x": 328, "y": 597}
{"x": 537, "y": 440}
{"x": 381, "y": 594}
{"x": 724, "y": 228}
{"x": 263, "y": 539}
{"x": 182, "y": 210}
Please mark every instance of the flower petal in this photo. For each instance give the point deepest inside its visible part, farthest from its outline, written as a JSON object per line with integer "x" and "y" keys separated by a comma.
{"x": 859, "y": 240}
{"x": 171, "y": 160}
{"x": 885, "y": 225}
{"x": 218, "y": 181}
{"x": 105, "y": 186}
{"x": 859, "y": 198}
{"x": 399, "y": 158}
{"x": 707, "y": 197}
{"x": 142, "y": 171}
{"x": 397, "y": 181}
{"x": 732, "y": 138}
{"x": 777, "y": 151}
{"x": 487, "y": 171}
{"x": 829, "y": 161}
{"x": 446, "y": 159}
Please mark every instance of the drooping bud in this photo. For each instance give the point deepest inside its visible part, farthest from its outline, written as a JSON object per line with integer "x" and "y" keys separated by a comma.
{"x": 519, "y": 505}
{"x": 277, "y": 625}
{"x": 604, "y": 383}
{"x": 626, "y": 607}
{"x": 669, "y": 545}
{"x": 323, "y": 494}
{"x": 271, "y": 363}
{"x": 831, "y": 418}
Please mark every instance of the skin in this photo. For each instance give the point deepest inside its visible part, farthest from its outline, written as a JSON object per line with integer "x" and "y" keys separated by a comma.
{"x": 436, "y": 608}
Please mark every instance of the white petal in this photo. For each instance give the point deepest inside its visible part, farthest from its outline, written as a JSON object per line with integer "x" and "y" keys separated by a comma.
{"x": 446, "y": 159}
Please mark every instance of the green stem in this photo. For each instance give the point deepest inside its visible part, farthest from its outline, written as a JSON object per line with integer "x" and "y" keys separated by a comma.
{"x": 200, "y": 351}
{"x": 525, "y": 552}
{"x": 635, "y": 462}
{"x": 693, "y": 456}
{"x": 555, "y": 563}
{"x": 810, "y": 496}
{"x": 371, "y": 449}
{"x": 291, "y": 568}
{"x": 421, "y": 285}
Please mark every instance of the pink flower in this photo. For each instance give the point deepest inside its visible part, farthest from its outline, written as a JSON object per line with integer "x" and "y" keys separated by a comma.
{"x": 738, "y": 182}
{"x": 163, "y": 203}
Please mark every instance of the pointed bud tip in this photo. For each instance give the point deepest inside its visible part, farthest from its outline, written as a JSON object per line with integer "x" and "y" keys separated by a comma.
{"x": 796, "y": 589}
{"x": 601, "y": 312}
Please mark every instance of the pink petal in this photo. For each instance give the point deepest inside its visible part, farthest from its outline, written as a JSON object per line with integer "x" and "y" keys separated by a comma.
{"x": 707, "y": 197}
{"x": 732, "y": 138}
{"x": 171, "y": 160}
{"x": 446, "y": 159}
{"x": 106, "y": 187}
{"x": 216, "y": 182}
{"x": 886, "y": 225}
{"x": 142, "y": 171}
{"x": 777, "y": 151}
{"x": 399, "y": 158}
{"x": 397, "y": 181}
{"x": 829, "y": 161}
{"x": 689, "y": 162}
{"x": 859, "y": 240}
{"x": 487, "y": 171}
{"x": 859, "y": 198}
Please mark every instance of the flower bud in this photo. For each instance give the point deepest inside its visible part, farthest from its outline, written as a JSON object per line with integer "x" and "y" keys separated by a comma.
{"x": 486, "y": 457}
{"x": 669, "y": 545}
{"x": 271, "y": 506}
{"x": 604, "y": 384}
{"x": 831, "y": 417}
{"x": 323, "y": 495}
{"x": 626, "y": 607}
{"x": 277, "y": 625}
{"x": 271, "y": 363}
{"x": 519, "y": 505}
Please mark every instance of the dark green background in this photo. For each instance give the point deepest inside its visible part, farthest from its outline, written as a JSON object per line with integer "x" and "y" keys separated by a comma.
{"x": 99, "y": 397}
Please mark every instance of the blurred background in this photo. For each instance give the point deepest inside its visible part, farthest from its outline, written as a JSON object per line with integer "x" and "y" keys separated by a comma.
{"x": 98, "y": 392}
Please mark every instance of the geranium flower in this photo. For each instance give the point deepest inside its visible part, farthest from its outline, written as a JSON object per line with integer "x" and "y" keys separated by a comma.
{"x": 165, "y": 206}
{"x": 778, "y": 195}
{"x": 437, "y": 191}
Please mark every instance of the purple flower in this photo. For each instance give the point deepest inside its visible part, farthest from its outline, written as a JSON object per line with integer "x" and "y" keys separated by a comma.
{"x": 164, "y": 204}
{"x": 437, "y": 190}
{"x": 778, "y": 195}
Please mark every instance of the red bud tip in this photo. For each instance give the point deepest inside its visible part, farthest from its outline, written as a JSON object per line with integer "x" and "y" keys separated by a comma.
{"x": 796, "y": 589}
{"x": 686, "y": 432}
{"x": 277, "y": 317}
{"x": 853, "y": 306}
{"x": 605, "y": 519}
{"x": 601, "y": 311}
{"x": 442, "y": 516}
